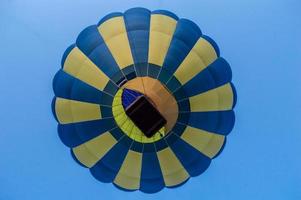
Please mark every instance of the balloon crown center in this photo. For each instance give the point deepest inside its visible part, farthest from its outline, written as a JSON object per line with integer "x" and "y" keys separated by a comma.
{"x": 144, "y": 114}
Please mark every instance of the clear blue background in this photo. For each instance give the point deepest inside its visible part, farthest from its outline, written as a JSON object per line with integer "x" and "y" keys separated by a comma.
{"x": 259, "y": 38}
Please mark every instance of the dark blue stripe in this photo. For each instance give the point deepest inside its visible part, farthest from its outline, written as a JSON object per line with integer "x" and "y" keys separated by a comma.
{"x": 167, "y": 13}
{"x": 160, "y": 144}
{"x": 111, "y": 88}
{"x": 192, "y": 160}
{"x": 178, "y": 129}
{"x": 109, "y": 16}
{"x": 137, "y": 22}
{"x": 183, "y": 117}
{"x": 213, "y": 43}
{"x": 66, "y": 53}
{"x": 151, "y": 176}
{"x": 137, "y": 146}
{"x": 180, "y": 94}
{"x": 69, "y": 87}
{"x": 220, "y": 122}
{"x": 106, "y": 112}
{"x": 216, "y": 74}
{"x": 76, "y": 134}
{"x": 106, "y": 169}
{"x": 129, "y": 72}
{"x": 153, "y": 70}
{"x": 93, "y": 46}
{"x": 184, "y": 105}
{"x": 117, "y": 133}
{"x": 186, "y": 35}
{"x": 173, "y": 84}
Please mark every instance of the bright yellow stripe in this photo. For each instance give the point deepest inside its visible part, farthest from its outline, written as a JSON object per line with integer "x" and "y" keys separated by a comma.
{"x": 220, "y": 98}
{"x": 162, "y": 28}
{"x": 115, "y": 36}
{"x": 92, "y": 151}
{"x": 70, "y": 111}
{"x": 207, "y": 143}
{"x": 137, "y": 134}
{"x": 81, "y": 67}
{"x": 126, "y": 127}
{"x": 129, "y": 174}
{"x": 173, "y": 171}
{"x": 201, "y": 55}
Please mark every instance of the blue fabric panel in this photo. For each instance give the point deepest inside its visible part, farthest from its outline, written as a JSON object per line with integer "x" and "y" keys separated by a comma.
{"x": 151, "y": 175}
{"x": 129, "y": 72}
{"x": 68, "y": 87}
{"x": 137, "y": 146}
{"x": 193, "y": 161}
{"x": 167, "y": 13}
{"x": 106, "y": 169}
{"x": 173, "y": 84}
{"x": 178, "y": 129}
{"x": 220, "y": 122}
{"x": 128, "y": 97}
{"x": 118, "y": 78}
{"x": 106, "y": 100}
{"x": 213, "y": 43}
{"x": 184, "y": 105}
{"x": 66, "y": 53}
{"x": 153, "y": 70}
{"x": 180, "y": 94}
{"x": 216, "y": 74}
{"x": 161, "y": 144}
{"x": 183, "y": 117}
{"x": 75, "y": 134}
{"x": 164, "y": 75}
{"x": 111, "y": 88}
{"x": 106, "y": 112}
{"x": 117, "y": 133}
{"x": 93, "y": 46}
{"x": 137, "y": 22}
{"x": 109, "y": 16}
{"x": 186, "y": 35}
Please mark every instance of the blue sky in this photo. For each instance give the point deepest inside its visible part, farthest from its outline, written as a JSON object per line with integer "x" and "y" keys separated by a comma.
{"x": 259, "y": 38}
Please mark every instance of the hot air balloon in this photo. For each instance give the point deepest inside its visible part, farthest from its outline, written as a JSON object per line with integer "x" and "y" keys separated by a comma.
{"x": 144, "y": 100}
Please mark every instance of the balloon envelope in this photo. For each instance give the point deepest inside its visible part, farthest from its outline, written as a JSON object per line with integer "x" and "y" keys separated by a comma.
{"x": 144, "y": 100}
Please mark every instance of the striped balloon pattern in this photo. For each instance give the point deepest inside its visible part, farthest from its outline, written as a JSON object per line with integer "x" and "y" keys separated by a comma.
{"x": 142, "y": 52}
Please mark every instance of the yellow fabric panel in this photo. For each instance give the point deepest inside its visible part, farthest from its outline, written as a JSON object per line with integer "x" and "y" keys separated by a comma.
{"x": 121, "y": 119}
{"x": 129, "y": 174}
{"x": 127, "y": 126}
{"x": 115, "y": 36}
{"x": 201, "y": 55}
{"x": 92, "y": 151}
{"x": 117, "y": 110}
{"x": 81, "y": 67}
{"x": 70, "y": 111}
{"x": 207, "y": 143}
{"x": 136, "y": 134}
{"x": 162, "y": 28}
{"x": 173, "y": 171}
{"x": 217, "y": 99}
